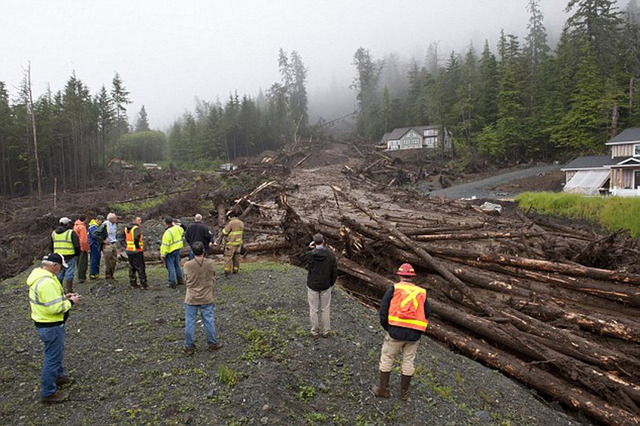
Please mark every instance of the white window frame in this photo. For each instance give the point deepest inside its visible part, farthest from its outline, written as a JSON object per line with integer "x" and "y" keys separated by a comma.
{"x": 636, "y": 150}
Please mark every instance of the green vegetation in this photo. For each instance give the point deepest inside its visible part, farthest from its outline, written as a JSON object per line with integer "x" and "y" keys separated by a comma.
{"x": 612, "y": 213}
{"x": 128, "y": 208}
{"x": 267, "y": 336}
{"x": 227, "y": 376}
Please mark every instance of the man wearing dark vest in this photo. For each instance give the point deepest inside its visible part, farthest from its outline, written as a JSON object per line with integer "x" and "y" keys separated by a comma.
{"x": 131, "y": 241}
{"x": 404, "y": 310}
{"x": 65, "y": 241}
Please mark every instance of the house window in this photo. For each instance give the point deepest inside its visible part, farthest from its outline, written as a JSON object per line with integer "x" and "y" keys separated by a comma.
{"x": 636, "y": 150}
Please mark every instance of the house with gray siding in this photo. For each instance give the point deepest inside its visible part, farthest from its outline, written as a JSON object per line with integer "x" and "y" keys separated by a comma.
{"x": 417, "y": 137}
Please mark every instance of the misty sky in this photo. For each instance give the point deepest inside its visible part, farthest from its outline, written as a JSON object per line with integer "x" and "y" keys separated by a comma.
{"x": 168, "y": 53}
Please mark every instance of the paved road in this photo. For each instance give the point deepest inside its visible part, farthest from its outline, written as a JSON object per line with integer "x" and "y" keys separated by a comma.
{"x": 482, "y": 188}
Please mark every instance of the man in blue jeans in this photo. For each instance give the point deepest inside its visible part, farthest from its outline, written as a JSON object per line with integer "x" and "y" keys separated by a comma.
{"x": 65, "y": 241}
{"x": 200, "y": 275}
{"x": 95, "y": 246}
{"x": 170, "y": 251}
{"x": 49, "y": 311}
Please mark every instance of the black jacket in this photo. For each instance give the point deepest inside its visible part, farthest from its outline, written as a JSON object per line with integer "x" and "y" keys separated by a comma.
{"x": 74, "y": 239}
{"x": 322, "y": 266}
{"x": 198, "y": 231}
{"x": 399, "y": 333}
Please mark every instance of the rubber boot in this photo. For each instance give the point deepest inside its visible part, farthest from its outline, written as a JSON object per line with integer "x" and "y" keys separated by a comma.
{"x": 382, "y": 390}
{"x": 405, "y": 381}
{"x": 69, "y": 286}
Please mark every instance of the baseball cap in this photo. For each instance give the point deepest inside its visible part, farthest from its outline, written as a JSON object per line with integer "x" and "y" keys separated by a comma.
{"x": 65, "y": 221}
{"x": 56, "y": 258}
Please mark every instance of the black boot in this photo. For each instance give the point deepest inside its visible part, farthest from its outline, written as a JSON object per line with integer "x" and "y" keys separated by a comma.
{"x": 405, "y": 381}
{"x": 382, "y": 390}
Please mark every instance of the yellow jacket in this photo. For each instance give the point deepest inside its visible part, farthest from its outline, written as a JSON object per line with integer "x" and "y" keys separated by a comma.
{"x": 48, "y": 302}
{"x": 233, "y": 232}
{"x": 171, "y": 240}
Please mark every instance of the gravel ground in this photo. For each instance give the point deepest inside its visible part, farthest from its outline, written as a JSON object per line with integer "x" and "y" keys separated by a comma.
{"x": 124, "y": 347}
{"x": 484, "y": 188}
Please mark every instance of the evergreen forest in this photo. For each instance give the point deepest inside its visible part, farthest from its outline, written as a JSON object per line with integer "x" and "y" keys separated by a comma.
{"x": 520, "y": 100}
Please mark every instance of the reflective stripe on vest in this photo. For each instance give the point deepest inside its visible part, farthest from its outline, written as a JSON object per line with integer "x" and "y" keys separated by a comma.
{"x": 52, "y": 310}
{"x": 62, "y": 243}
{"x": 407, "y": 307}
{"x": 175, "y": 242}
{"x": 36, "y": 300}
{"x": 131, "y": 245}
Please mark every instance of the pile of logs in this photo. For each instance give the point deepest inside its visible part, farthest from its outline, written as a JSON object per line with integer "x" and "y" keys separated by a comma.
{"x": 510, "y": 292}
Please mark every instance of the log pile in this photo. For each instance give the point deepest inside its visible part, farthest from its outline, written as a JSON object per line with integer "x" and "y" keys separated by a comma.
{"x": 553, "y": 306}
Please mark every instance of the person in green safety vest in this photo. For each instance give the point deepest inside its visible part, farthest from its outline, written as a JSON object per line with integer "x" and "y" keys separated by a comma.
{"x": 65, "y": 241}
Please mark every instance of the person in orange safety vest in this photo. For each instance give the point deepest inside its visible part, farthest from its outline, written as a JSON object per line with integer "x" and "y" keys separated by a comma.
{"x": 131, "y": 240}
{"x": 404, "y": 313}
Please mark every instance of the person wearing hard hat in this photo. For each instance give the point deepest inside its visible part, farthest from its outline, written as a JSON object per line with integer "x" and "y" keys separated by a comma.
{"x": 232, "y": 234}
{"x": 49, "y": 311}
{"x": 404, "y": 311}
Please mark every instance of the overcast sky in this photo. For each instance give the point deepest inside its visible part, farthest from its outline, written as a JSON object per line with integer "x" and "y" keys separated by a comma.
{"x": 168, "y": 53}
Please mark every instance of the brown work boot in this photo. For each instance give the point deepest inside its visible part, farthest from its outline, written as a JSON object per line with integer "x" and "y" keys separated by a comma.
{"x": 382, "y": 390}
{"x": 189, "y": 350}
{"x": 64, "y": 380}
{"x": 214, "y": 346}
{"x": 68, "y": 286}
{"x": 55, "y": 398}
{"x": 404, "y": 387}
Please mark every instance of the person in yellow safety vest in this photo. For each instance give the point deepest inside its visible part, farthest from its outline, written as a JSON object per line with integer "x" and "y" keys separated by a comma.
{"x": 65, "y": 241}
{"x": 170, "y": 251}
{"x": 49, "y": 311}
{"x": 132, "y": 241}
{"x": 404, "y": 310}
{"x": 232, "y": 234}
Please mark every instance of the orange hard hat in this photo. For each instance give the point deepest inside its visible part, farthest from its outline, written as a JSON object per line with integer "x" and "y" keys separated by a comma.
{"x": 406, "y": 269}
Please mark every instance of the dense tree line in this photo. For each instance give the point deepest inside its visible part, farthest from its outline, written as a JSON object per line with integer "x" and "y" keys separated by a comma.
{"x": 76, "y": 133}
{"x": 518, "y": 100}
{"x": 245, "y": 126}
{"x": 526, "y": 102}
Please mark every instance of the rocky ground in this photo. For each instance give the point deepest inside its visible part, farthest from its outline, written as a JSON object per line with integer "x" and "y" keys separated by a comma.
{"x": 124, "y": 347}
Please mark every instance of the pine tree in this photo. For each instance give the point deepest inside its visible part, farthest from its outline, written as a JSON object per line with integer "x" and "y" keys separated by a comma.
{"x": 120, "y": 97}
{"x": 142, "y": 123}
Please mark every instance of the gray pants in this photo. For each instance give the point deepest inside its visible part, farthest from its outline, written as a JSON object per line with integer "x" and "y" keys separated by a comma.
{"x": 319, "y": 305}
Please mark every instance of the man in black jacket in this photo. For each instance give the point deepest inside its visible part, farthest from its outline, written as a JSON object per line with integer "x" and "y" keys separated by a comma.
{"x": 198, "y": 231}
{"x": 65, "y": 241}
{"x": 322, "y": 270}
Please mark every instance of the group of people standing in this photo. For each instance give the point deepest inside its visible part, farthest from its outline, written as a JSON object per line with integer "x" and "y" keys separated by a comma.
{"x": 73, "y": 245}
{"x": 404, "y": 309}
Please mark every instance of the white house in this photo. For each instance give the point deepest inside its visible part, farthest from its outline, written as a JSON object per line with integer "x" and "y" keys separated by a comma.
{"x": 617, "y": 174}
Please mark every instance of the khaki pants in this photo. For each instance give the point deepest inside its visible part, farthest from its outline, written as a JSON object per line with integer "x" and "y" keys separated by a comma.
{"x": 110, "y": 254}
{"x": 390, "y": 350}
{"x": 231, "y": 258}
{"x": 319, "y": 310}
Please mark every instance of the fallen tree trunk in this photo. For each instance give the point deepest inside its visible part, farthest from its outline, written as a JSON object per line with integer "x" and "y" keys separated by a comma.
{"x": 511, "y": 365}
{"x": 543, "y": 265}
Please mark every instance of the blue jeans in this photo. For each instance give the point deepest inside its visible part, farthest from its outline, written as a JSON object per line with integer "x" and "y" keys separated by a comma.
{"x": 68, "y": 272}
{"x": 172, "y": 261}
{"x": 95, "y": 259}
{"x": 53, "y": 340}
{"x": 206, "y": 312}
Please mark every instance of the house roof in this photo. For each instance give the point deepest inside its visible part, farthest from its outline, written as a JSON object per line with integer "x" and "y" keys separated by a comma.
{"x": 627, "y": 136}
{"x": 591, "y": 162}
{"x": 401, "y": 131}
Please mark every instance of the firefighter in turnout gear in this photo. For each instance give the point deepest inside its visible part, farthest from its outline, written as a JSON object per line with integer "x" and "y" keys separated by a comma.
{"x": 233, "y": 243}
{"x": 131, "y": 241}
{"x": 404, "y": 310}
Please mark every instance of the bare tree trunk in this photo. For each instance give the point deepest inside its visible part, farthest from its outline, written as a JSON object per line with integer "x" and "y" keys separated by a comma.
{"x": 33, "y": 126}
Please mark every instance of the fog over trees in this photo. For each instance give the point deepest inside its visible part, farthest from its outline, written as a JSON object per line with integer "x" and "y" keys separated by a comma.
{"x": 521, "y": 99}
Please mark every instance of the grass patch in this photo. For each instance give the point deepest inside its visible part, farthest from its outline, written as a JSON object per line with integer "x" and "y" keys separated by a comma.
{"x": 128, "y": 208}
{"x": 268, "y": 336}
{"x": 227, "y": 376}
{"x": 612, "y": 213}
